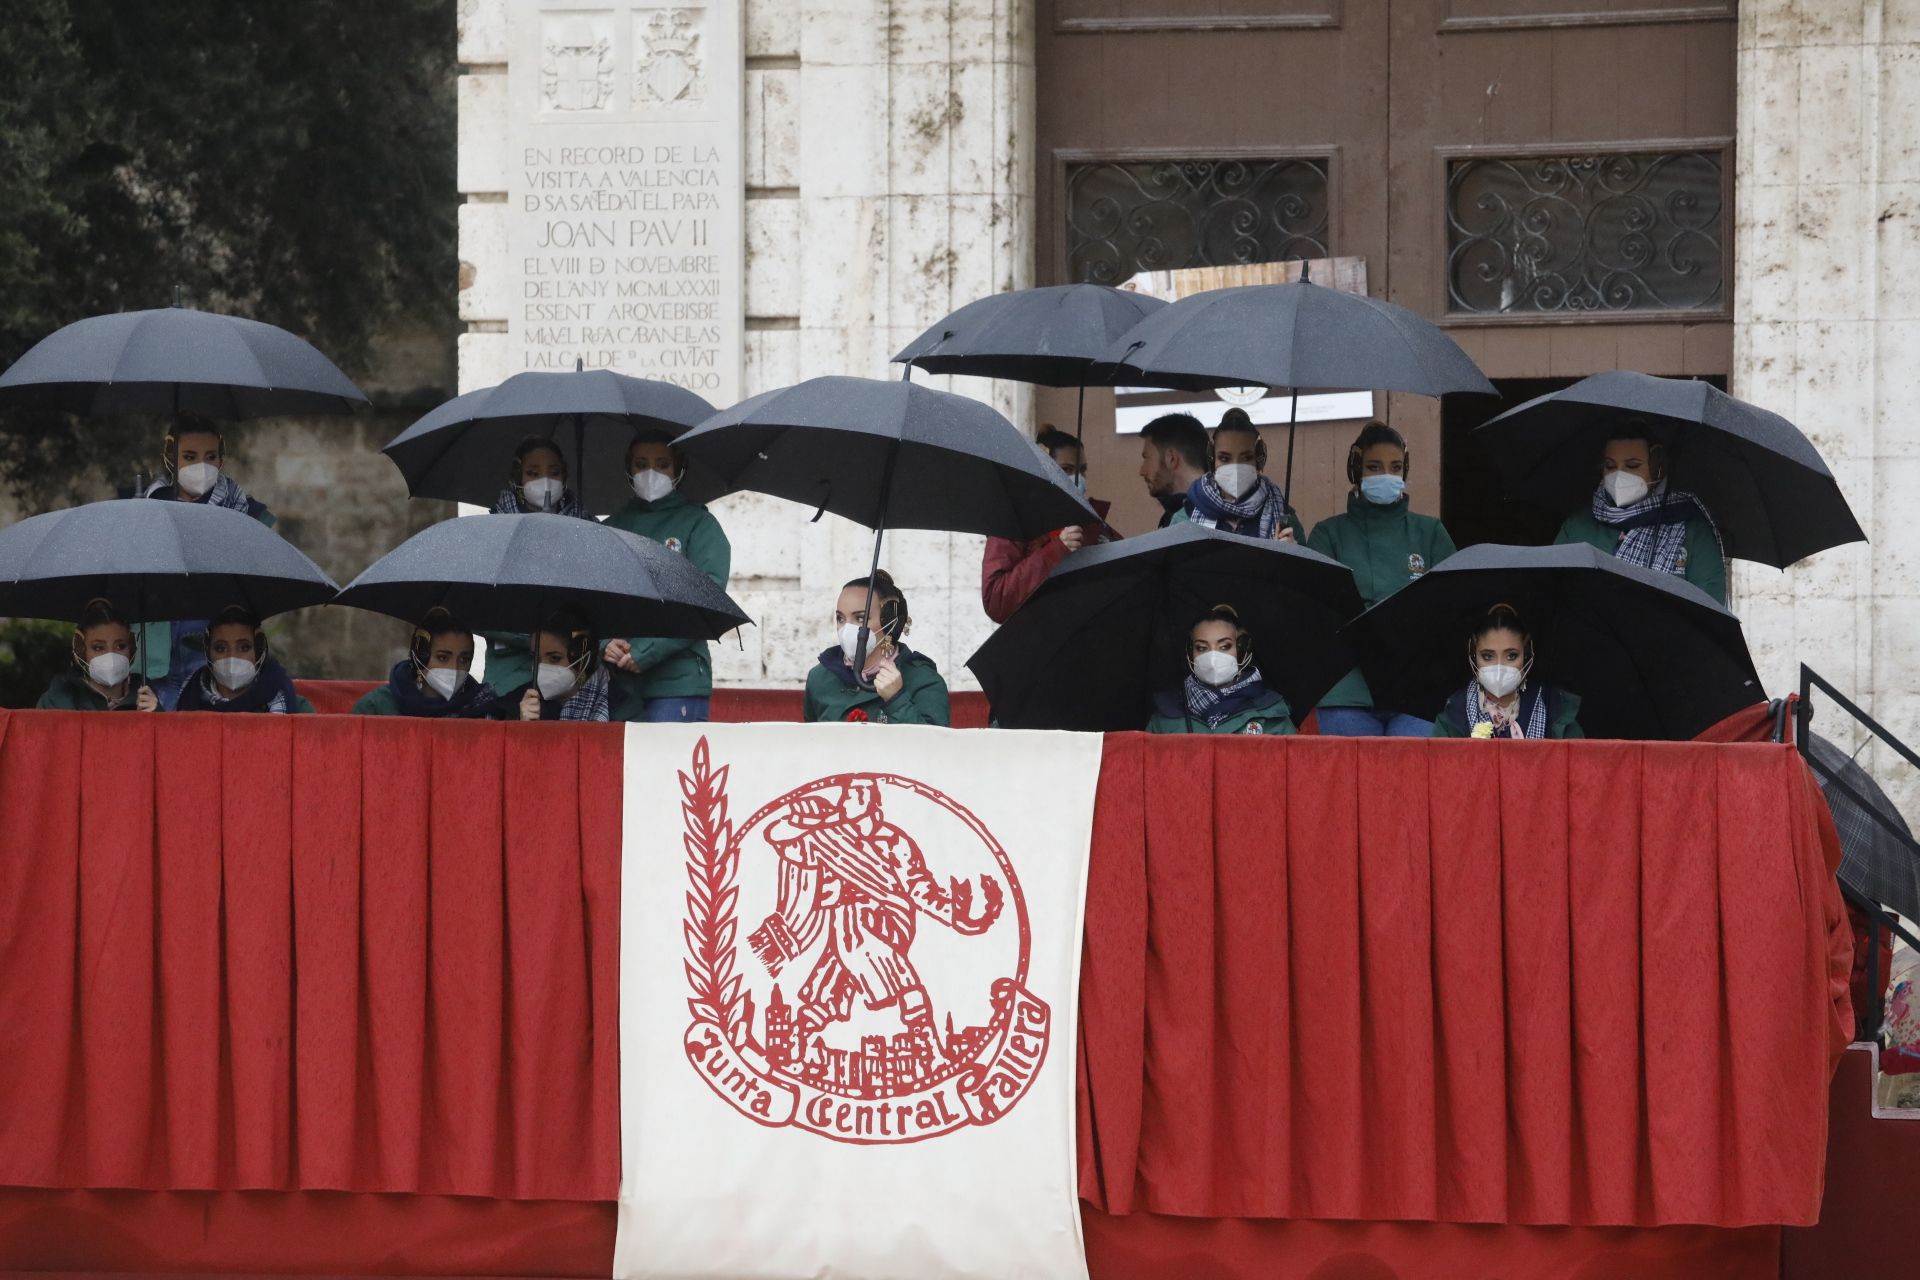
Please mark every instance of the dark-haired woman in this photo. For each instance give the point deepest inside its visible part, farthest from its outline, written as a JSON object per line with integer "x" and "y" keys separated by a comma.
{"x": 434, "y": 680}
{"x": 1636, "y": 515}
{"x": 1223, "y": 692}
{"x": 569, "y": 682}
{"x": 894, "y": 685}
{"x": 1387, "y": 546}
{"x": 1235, "y": 494}
{"x": 658, "y": 679}
{"x": 102, "y": 677}
{"x": 1503, "y": 700}
{"x": 241, "y": 675}
{"x": 536, "y": 484}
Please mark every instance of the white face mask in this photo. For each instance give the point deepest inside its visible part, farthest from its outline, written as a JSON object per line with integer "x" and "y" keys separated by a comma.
{"x": 444, "y": 681}
{"x": 543, "y": 494}
{"x": 234, "y": 673}
{"x": 651, "y": 485}
{"x": 198, "y": 478}
{"x": 108, "y": 669}
{"x": 553, "y": 680}
{"x": 1499, "y": 680}
{"x": 1624, "y": 487}
{"x": 1216, "y": 668}
{"x": 1236, "y": 479}
{"x": 850, "y": 640}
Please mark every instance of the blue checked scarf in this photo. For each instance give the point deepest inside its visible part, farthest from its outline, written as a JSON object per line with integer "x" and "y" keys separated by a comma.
{"x": 590, "y": 700}
{"x": 1653, "y": 531}
{"x": 1260, "y": 514}
{"x": 1204, "y": 702}
{"x": 1530, "y": 712}
{"x": 226, "y": 492}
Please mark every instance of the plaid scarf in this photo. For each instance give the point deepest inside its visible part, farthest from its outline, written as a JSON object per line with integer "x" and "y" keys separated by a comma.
{"x": 1533, "y": 717}
{"x": 271, "y": 691}
{"x": 1653, "y": 531}
{"x": 1260, "y": 514}
{"x": 509, "y": 504}
{"x": 1213, "y": 705}
{"x": 590, "y": 700}
{"x": 226, "y": 492}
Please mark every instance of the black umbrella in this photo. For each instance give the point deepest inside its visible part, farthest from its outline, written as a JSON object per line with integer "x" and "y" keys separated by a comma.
{"x": 1109, "y": 626}
{"x": 1300, "y": 337}
{"x": 177, "y": 360}
{"x": 1049, "y": 336}
{"x": 1762, "y": 481}
{"x": 156, "y": 561}
{"x": 511, "y": 572}
{"x": 1878, "y": 858}
{"x": 1649, "y": 654}
{"x": 460, "y": 450}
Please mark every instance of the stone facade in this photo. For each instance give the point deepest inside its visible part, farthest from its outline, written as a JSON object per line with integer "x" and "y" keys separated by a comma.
{"x": 1827, "y": 261}
{"x": 888, "y": 171}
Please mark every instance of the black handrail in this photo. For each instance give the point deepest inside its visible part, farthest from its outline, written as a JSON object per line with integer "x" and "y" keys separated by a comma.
{"x": 1878, "y": 916}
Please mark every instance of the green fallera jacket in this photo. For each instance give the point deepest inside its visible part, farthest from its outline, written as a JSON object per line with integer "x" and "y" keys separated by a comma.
{"x": 1562, "y": 708}
{"x": 922, "y": 698}
{"x": 1704, "y": 567}
{"x": 69, "y": 691}
{"x": 671, "y": 668}
{"x": 1386, "y": 547}
{"x": 1272, "y": 716}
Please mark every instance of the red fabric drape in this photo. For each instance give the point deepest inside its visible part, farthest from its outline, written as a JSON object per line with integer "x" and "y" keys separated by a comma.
{"x": 1579, "y": 983}
{"x": 1584, "y": 983}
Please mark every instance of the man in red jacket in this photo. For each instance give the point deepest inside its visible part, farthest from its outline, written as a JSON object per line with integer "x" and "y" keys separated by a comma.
{"x": 1012, "y": 571}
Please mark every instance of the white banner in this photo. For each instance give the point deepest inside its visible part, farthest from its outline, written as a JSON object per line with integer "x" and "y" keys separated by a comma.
{"x": 849, "y": 981}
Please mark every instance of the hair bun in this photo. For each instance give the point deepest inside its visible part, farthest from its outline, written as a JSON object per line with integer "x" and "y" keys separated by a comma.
{"x": 1235, "y": 419}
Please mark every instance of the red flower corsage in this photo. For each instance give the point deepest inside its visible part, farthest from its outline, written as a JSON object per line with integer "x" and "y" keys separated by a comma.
{"x": 857, "y": 716}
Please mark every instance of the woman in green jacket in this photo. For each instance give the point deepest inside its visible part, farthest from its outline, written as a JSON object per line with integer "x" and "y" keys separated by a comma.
{"x": 434, "y": 680}
{"x": 1223, "y": 691}
{"x": 895, "y": 685}
{"x": 1387, "y": 546}
{"x": 1635, "y": 516}
{"x": 102, "y": 677}
{"x": 1502, "y": 701}
{"x": 656, "y": 679}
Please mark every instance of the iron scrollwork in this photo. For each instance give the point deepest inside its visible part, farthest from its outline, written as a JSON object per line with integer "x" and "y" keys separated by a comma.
{"x": 1164, "y": 215}
{"x": 1585, "y": 234}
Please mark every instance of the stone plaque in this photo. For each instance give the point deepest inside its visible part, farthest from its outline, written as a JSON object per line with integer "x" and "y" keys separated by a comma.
{"x": 624, "y": 191}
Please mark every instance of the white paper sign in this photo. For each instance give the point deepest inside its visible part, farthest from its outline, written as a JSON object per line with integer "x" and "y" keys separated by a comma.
{"x": 849, "y": 966}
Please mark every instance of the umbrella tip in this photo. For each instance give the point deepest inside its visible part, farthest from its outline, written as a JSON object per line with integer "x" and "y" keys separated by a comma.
{"x": 1306, "y": 271}
{"x": 579, "y": 364}
{"x": 179, "y": 293}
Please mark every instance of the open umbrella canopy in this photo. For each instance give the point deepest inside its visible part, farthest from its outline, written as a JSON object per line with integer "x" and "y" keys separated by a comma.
{"x": 889, "y": 455}
{"x": 1877, "y": 859}
{"x": 1108, "y": 628}
{"x": 511, "y": 572}
{"x": 463, "y": 449}
{"x": 177, "y": 360}
{"x": 156, "y": 561}
{"x": 1765, "y": 485}
{"x": 1049, "y": 336}
{"x": 1299, "y": 337}
{"x": 1650, "y": 655}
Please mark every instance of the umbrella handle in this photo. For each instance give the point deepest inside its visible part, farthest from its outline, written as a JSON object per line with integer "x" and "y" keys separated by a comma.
{"x": 1293, "y": 425}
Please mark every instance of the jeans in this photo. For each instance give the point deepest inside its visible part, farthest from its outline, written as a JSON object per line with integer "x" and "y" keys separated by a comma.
{"x": 674, "y": 710}
{"x": 1366, "y": 722}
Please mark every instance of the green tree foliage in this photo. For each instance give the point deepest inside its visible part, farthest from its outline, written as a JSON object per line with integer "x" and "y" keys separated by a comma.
{"x": 288, "y": 161}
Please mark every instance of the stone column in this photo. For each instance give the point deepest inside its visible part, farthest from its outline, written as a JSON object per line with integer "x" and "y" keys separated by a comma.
{"x": 1827, "y": 332}
{"x": 888, "y": 179}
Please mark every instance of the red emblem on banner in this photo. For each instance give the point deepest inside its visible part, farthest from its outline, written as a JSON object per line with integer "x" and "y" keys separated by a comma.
{"x": 874, "y": 996}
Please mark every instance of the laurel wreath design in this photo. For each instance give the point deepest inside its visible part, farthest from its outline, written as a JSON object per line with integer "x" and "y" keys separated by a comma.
{"x": 713, "y": 860}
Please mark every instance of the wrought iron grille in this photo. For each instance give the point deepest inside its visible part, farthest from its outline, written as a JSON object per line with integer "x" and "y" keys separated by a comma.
{"x": 1585, "y": 234}
{"x": 1163, "y": 215}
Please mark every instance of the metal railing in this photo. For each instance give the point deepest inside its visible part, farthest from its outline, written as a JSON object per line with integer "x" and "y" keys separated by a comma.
{"x": 1878, "y": 917}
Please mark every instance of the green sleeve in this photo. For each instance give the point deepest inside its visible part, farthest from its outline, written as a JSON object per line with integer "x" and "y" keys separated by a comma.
{"x": 1443, "y": 728}
{"x": 1323, "y": 541}
{"x": 265, "y": 516}
{"x": 925, "y": 702}
{"x": 1572, "y": 729}
{"x": 1564, "y": 723}
{"x": 301, "y": 707}
{"x": 708, "y": 550}
{"x": 48, "y": 702}
{"x": 1566, "y": 533}
{"x": 1441, "y": 546}
{"x": 1166, "y": 724}
{"x": 810, "y": 710}
{"x": 374, "y": 702}
{"x": 1299, "y": 530}
{"x": 1705, "y": 569}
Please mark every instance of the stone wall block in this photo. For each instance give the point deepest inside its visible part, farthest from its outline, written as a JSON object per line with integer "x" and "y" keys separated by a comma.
{"x": 482, "y": 360}
{"x": 977, "y": 128}
{"x": 480, "y": 31}
{"x": 1898, "y": 387}
{"x": 1769, "y": 121}
{"x": 761, "y": 531}
{"x": 1835, "y": 401}
{"x": 1769, "y": 284}
{"x": 773, "y": 128}
{"x": 772, "y": 28}
{"x": 1832, "y": 258}
{"x": 921, "y": 32}
{"x": 1899, "y": 22}
{"x": 1896, "y": 249}
{"x": 772, "y": 359}
{"x": 1766, "y": 366}
{"x": 842, "y": 272}
{"x": 1898, "y": 121}
{"x": 773, "y": 257}
{"x": 1834, "y": 132}
{"x": 843, "y": 130}
{"x": 921, "y": 268}
{"x": 483, "y": 261}
{"x": 481, "y": 163}
{"x": 1834, "y": 22}
{"x": 924, "y": 108}
{"x": 843, "y": 33}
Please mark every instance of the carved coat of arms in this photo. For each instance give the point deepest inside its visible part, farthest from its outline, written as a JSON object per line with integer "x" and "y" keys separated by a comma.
{"x": 668, "y": 63}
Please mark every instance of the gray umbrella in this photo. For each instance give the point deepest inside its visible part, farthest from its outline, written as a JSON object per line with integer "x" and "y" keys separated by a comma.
{"x": 1049, "y": 336}
{"x": 176, "y": 360}
{"x": 1763, "y": 483}
{"x": 156, "y": 561}
{"x": 1300, "y": 337}
{"x": 888, "y": 455}
{"x": 511, "y": 572}
{"x": 461, "y": 449}
{"x": 1874, "y": 861}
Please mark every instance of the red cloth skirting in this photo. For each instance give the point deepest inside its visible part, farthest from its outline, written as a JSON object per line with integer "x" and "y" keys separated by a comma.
{"x": 1583, "y": 983}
